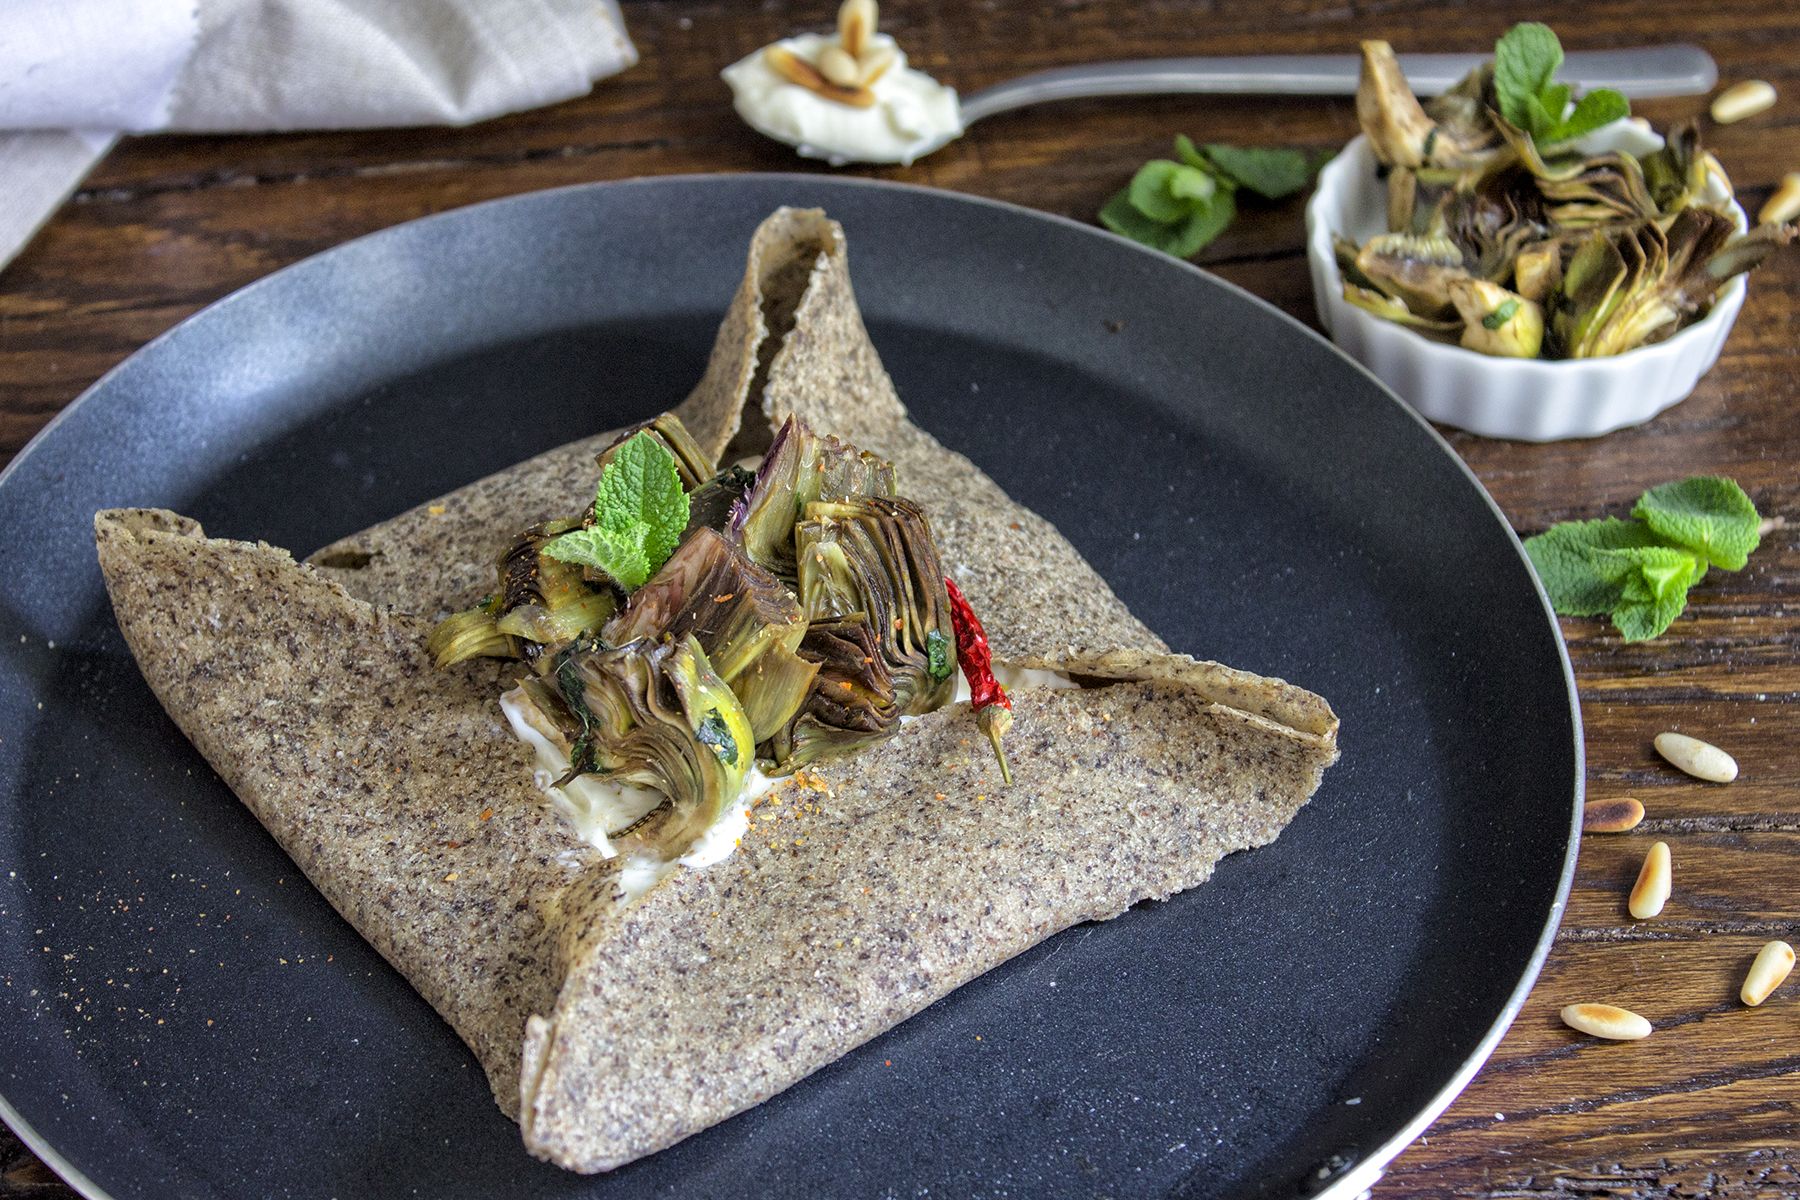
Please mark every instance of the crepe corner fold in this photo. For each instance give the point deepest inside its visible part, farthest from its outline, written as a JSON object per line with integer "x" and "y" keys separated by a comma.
{"x": 324, "y": 715}
{"x": 612, "y": 1029}
{"x": 911, "y": 872}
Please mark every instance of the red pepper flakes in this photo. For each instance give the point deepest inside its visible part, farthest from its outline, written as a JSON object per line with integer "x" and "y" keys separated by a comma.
{"x": 993, "y": 707}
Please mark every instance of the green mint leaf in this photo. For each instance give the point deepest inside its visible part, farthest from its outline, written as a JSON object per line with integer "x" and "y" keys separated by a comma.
{"x": 1525, "y": 65}
{"x": 1579, "y": 581}
{"x": 1708, "y": 514}
{"x": 1192, "y": 185}
{"x": 1651, "y": 573}
{"x": 640, "y": 513}
{"x": 714, "y": 731}
{"x": 1555, "y": 102}
{"x": 1541, "y": 124}
{"x": 1654, "y": 591}
{"x": 1122, "y": 218}
{"x": 1204, "y": 224}
{"x": 1166, "y": 191}
{"x": 938, "y": 661}
{"x": 622, "y": 557}
{"x": 1600, "y": 107}
{"x": 1638, "y": 622}
{"x": 1186, "y": 151}
{"x": 1182, "y": 238}
{"x": 1525, "y": 61}
{"x": 1271, "y": 172}
{"x": 1501, "y": 315}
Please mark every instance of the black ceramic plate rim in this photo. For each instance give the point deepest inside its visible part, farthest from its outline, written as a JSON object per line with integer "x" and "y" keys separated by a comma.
{"x": 1368, "y": 1171}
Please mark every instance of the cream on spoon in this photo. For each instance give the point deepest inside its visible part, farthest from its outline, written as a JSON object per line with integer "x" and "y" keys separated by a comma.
{"x": 849, "y": 98}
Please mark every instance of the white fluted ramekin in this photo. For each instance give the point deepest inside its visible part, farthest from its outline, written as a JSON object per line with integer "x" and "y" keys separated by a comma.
{"x": 1529, "y": 399}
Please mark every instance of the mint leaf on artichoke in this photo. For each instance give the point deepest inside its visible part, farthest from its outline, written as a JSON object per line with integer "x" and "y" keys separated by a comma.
{"x": 640, "y": 512}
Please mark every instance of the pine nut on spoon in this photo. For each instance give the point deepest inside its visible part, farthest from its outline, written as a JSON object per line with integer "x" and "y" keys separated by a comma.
{"x": 1700, "y": 759}
{"x": 1606, "y": 1021}
{"x": 1773, "y": 962}
{"x": 838, "y": 66}
{"x": 1651, "y": 891}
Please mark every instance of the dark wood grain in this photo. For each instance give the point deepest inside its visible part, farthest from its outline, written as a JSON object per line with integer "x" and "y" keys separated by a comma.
{"x": 1710, "y": 1104}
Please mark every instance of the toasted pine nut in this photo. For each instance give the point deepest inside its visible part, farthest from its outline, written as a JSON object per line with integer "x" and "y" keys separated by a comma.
{"x": 836, "y": 65}
{"x": 1697, "y": 758}
{"x": 1742, "y": 100}
{"x": 1606, "y": 1021}
{"x": 1651, "y": 891}
{"x": 794, "y": 69}
{"x": 1773, "y": 962}
{"x": 875, "y": 61}
{"x": 1611, "y": 816}
{"x": 1784, "y": 205}
{"x": 856, "y": 25}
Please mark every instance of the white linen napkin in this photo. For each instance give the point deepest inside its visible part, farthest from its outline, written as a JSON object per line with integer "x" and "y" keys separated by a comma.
{"x": 74, "y": 74}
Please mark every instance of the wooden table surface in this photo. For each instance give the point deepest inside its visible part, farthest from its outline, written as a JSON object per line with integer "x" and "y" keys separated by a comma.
{"x": 1709, "y": 1105}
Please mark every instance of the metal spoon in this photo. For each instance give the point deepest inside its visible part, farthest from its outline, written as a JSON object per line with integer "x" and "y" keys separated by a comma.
{"x": 1673, "y": 70}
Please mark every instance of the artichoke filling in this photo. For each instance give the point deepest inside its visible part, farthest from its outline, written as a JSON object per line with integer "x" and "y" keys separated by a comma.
{"x": 697, "y": 634}
{"x": 1528, "y": 226}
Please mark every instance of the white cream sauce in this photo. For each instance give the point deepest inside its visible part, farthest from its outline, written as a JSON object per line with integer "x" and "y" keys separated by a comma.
{"x": 589, "y": 804}
{"x": 592, "y": 806}
{"x": 913, "y": 113}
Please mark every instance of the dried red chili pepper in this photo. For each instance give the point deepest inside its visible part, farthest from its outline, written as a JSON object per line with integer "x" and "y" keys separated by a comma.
{"x": 993, "y": 707}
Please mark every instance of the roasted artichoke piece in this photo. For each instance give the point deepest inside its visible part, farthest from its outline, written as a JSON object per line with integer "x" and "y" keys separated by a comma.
{"x": 1492, "y": 220}
{"x": 691, "y": 464}
{"x": 1537, "y": 270}
{"x": 1400, "y": 130}
{"x": 799, "y": 468}
{"x": 1676, "y": 174}
{"x": 1633, "y": 285}
{"x": 1496, "y": 321}
{"x": 652, "y": 714}
{"x": 1390, "y": 308}
{"x": 1345, "y": 251}
{"x": 1582, "y": 192}
{"x": 468, "y": 634}
{"x": 1416, "y": 270}
{"x": 739, "y": 613}
{"x": 540, "y": 602}
{"x": 545, "y": 601}
{"x": 879, "y": 626}
{"x": 710, "y": 504}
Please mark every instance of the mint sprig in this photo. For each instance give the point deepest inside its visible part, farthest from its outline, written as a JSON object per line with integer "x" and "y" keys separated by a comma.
{"x": 1526, "y": 60}
{"x": 640, "y": 512}
{"x": 1180, "y": 206}
{"x": 1639, "y": 571}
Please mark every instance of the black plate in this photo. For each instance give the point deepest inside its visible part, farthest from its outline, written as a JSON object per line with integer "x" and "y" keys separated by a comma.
{"x": 184, "y": 1015}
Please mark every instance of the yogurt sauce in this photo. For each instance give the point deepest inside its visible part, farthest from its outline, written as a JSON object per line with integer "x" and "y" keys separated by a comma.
{"x": 913, "y": 113}
{"x": 592, "y": 805}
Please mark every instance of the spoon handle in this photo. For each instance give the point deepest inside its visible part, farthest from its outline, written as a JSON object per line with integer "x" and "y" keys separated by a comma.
{"x": 1672, "y": 70}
